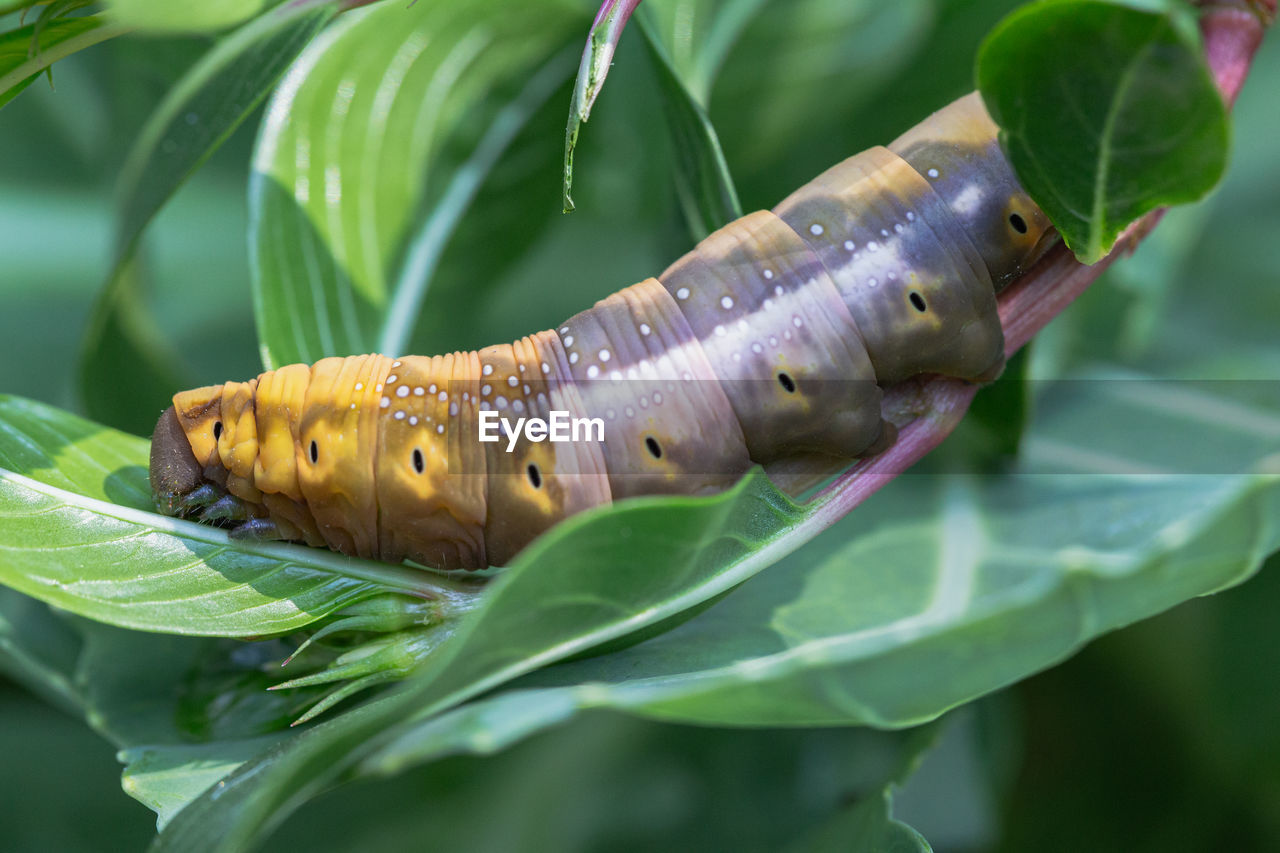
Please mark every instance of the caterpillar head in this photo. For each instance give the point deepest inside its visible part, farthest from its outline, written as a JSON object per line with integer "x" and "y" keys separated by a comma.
{"x": 185, "y": 441}
{"x": 958, "y": 152}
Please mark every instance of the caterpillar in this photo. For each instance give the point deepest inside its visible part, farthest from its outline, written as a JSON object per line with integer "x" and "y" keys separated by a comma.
{"x": 771, "y": 340}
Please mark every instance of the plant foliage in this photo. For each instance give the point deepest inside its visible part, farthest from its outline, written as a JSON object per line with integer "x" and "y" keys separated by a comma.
{"x": 403, "y": 193}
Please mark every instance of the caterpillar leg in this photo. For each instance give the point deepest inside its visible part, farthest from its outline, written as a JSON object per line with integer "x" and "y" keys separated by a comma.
{"x": 202, "y": 497}
{"x": 259, "y": 530}
{"x": 226, "y": 508}
{"x": 183, "y": 487}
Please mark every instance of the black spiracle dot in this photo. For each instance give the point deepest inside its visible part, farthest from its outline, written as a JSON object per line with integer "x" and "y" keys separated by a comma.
{"x": 217, "y": 430}
{"x": 785, "y": 380}
{"x": 917, "y": 301}
{"x": 315, "y": 452}
{"x": 419, "y": 464}
{"x": 1019, "y": 224}
{"x": 535, "y": 476}
{"x": 655, "y": 449}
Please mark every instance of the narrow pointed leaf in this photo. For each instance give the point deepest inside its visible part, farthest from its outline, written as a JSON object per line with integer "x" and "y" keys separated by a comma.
{"x": 22, "y": 57}
{"x": 358, "y": 178}
{"x": 200, "y": 112}
{"x": 167, "y": 16}
{"x": 705, "y": 187}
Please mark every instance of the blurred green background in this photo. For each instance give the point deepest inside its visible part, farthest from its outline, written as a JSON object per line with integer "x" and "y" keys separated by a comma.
{"x": 1164, "y": 736}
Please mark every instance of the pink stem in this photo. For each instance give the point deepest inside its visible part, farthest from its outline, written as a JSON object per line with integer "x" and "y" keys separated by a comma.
{"x": 1232, "y": 31}
{"x": 613, "y": 14}
{"x": 608, "y": 6}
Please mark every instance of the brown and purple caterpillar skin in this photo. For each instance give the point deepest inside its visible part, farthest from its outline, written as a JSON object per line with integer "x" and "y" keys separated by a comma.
{"x": 771, "y": 340}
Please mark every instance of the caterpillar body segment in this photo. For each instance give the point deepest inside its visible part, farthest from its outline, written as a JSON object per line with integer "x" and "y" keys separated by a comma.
{"x": 768, "y": 343}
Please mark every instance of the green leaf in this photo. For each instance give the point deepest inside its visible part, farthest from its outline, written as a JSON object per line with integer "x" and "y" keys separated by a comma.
{"x": 893, "y": 672}
{"x": 168, "y": 17}
{"x": 610, "y": 782}
{"x": 38, "y": 649}
{"x": 85, "y": 556}
{"x": 23, "y": 56}
{"x": 122, "y": 339}
{"x": 74, "y": 533}
{"x": 686, "y": 42}
{"x": 1137, "y": 122}
{"x": 151, "y": 695}
{"x": 196, "y": 117}
{"x": 392, "y": 112}
{"x": 166, "y": 778}
{"x": 1074, "y": 429}
{"x": 1001, "y": 577}
{"x": 60, "y": 450}
{"x": 674, "y": 553}
{"x": 665, "y": 555}
{"x": 42, "y": 750}
{"x": 202, "y": 109}
{"x": 697, "y": 36}
{"x": 833, "y": 644}
{"x": 806, "y": 83}
{"x": 703, "y": 182}
{"x": 141, "y": 688}
{"x": 868, "y": 826}
{"x": 12, "y": 6}
{"x": 184, "y": 711}
{"x": 947, "y": 588}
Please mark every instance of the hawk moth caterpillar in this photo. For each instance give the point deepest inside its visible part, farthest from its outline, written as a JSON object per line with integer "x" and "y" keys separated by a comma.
{"x": 769, "y": 341}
